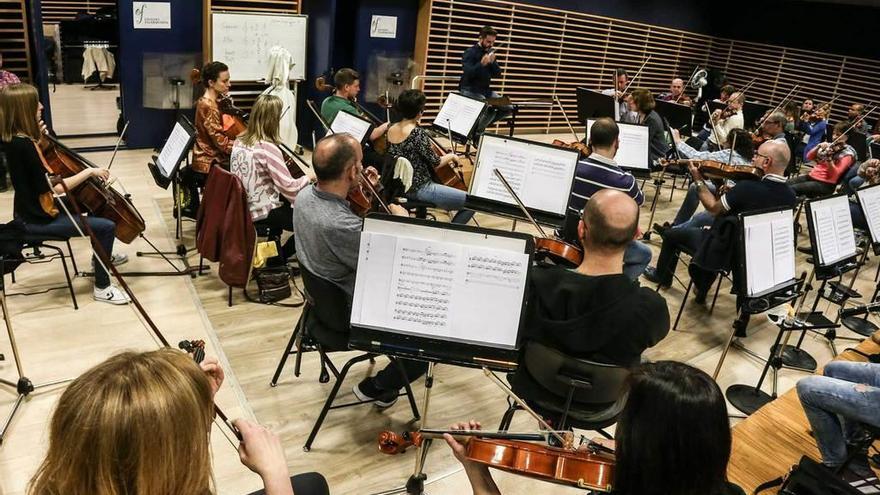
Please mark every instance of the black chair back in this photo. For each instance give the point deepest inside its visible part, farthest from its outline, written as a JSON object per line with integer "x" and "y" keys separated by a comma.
{"x": 595, "y": 383}
{"x": 11, "y": 243}
{"x": 331, "y": 305}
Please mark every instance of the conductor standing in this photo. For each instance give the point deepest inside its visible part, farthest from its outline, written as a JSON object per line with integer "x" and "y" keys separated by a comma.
{"x": 479, "y": 66}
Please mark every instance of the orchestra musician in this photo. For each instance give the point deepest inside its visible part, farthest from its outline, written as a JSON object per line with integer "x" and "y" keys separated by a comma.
{"x": 622, "y": 112}
{"x": 774, "y": 127}
{"x": 327, "y": 242}
{"x": 836, "y": 402}
{"x": 725, "y": 121}
{"x": 832, "y": 163}
{"x": 673, "y": 437}
{"x": 855, "y": 120}
{"x": 140, "y": 423}
{"x": 212, "y": 145}
{"x": 599, "y": 172}
{"x": 595, "y": 311}
{"x": 676, "y": 93}
{"x": 726, "y": 91}
{"x": 771, "y": 191}
{"x": 406, "y": 139}
{"x": 258, "y": 162}
{"x": 347, "y": 84}
{"x": 479, "y": 65}
{"x": 20, "y": 130}
{"x": 740, "y": 151}
{"x": 814, "y": 128}
{"x": 643, "y": 104}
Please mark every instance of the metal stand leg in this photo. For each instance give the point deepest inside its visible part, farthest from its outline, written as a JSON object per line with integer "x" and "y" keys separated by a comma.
{"x": 287, "y": 351}
{"x": 416, "y": 483}
{"x": 658, "y": 183}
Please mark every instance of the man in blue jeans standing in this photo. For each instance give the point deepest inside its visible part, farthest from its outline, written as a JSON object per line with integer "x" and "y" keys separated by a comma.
{"x": 836, "y": 403}
{"x": 478, "y": 68}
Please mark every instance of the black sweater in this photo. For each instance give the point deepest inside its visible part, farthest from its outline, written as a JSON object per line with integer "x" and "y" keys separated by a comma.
{"x": 28, "y": 178}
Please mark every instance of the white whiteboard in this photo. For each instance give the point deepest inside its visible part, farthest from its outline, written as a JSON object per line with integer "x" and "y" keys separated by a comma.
{"x": 243, "y": 41}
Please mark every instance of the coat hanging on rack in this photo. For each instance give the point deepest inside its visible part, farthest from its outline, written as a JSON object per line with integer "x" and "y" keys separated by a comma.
{"x": 98, "y": 58}
{"x": 278, "y": 78}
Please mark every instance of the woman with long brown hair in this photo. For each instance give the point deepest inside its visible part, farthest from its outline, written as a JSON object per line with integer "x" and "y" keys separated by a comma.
{"x": 33, "y": 205}
{"x": 140, "y": 423}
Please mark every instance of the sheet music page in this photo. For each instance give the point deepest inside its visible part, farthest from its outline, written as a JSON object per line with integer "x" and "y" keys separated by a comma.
{"x": 634, "y": 145}
{"x": 345, "y": 122}
{"x": 769, "y": 244}
{"x": 459, "y": 114}
{"x": 783, "y": 248}
{"x": 439, "y": 289}
{"x": 540, "y": 175}
{"x": 869, "y": 199}
{"x": 174, "y": 148}
{"x": 833, "y": 229}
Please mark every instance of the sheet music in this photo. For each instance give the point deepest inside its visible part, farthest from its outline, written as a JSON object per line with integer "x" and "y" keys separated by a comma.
{"x": 769, "y": 250}
{"x": 541, "y": 175}
{"x": 174, "y": 149}
{"x": 438, "y": 289}
{"x": 833, "y": 230}
{"x": 869, "y": 199}
{"x": 634, "y": 145}
{"x": 345, "y": 122}
{"x": 459, "y": 114}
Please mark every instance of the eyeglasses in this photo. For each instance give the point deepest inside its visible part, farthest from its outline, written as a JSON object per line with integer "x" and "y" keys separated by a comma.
{"x": 765, "y": 157}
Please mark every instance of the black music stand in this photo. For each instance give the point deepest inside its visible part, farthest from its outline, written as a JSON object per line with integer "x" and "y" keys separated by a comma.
{"x": 753, "y": 112}
{"x": 857, "y": 324}
{"x": 444, "y": 127}
{"x": 431, "y": 348}
{"x": 678, "y": 115}
{"x": 593, "y": 104}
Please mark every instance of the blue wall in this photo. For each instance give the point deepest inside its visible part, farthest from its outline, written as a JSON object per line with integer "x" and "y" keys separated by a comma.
{"x": 150, "y": 127}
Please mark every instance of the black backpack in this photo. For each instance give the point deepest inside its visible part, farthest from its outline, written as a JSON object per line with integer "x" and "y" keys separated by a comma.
{"x": 809, "y": 478}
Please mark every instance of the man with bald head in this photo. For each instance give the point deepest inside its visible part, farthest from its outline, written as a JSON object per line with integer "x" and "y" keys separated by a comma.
{"x": 676, "y": 93}
{"x": 328, "y": 237}
{"x": 594, "y": 312}
{"x": 854, "y": 119}
{"x": 748, "y": 195}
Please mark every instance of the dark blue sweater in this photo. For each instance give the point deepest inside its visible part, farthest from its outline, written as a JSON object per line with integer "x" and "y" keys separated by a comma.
{"x": 476, "y": 77}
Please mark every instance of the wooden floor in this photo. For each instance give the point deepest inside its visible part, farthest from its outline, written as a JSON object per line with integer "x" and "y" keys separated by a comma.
{"x": 58, "y": 342}
{"x": 70, "y": 102}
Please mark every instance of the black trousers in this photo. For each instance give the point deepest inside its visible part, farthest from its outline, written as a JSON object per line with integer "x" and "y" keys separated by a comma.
{"x": 305, "y": 484}
{"x": 279, "y": 220}
{"x": 804, "y": 185}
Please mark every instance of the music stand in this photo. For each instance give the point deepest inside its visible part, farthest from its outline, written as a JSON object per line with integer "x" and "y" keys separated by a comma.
{"x": 753, "y": 112}
{"x": 459, "y": 116}
{"x": 633, "y": 153}
{"x": 422, "y": 288}
{"x": 354, "y": 125}
{"x": 593, "y": 104}
{"x": 542, "y": 174}
{"x": 869, "y": 201}
{"x": 678, "y": 115}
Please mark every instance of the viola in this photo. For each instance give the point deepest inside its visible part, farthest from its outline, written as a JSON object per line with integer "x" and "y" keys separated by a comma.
{"x": 360, "y": 200}
{"x": 591, "y": 469}
{"x": 290, "y": 162}
{"x": 98, "y": 198}
{"x": 584, "y": 149}
{"x": 558, "y": 251}
{"x": 712, "y": 169}
{"x": 827, "y": 151}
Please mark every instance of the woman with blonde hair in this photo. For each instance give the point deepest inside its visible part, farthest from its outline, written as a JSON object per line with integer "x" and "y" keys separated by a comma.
{"x": 33, "y": 204}
{"x": 257, "y": 161}
{"x": 140, "y": 423}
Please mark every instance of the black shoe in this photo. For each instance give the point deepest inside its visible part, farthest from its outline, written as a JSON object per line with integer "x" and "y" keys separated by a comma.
{"x": 700, "y": 296}
{"x": 651, "y": 275}
{"x": 366, "y": 391}
{"x": 805, "y": 249}
{"x": 661, "y": 229}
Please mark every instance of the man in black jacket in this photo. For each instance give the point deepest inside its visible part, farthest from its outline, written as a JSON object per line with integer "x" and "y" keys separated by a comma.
{"x": 478, "y": 68}
{"x": 594, "y": 312}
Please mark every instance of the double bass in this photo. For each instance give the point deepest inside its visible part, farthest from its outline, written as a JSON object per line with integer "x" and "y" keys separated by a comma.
{"x": 96, "y": 197}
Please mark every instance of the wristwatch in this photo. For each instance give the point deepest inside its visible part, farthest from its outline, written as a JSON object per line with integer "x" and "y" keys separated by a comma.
{"x": 700, "y": 184}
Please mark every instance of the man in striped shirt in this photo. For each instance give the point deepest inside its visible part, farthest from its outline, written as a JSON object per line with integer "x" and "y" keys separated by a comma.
{"x": 600, "y": 171}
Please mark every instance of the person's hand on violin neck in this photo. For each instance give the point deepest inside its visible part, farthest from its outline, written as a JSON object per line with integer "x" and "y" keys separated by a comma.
{"x": 478, "y": 474}
{"x": 211, "y": 367}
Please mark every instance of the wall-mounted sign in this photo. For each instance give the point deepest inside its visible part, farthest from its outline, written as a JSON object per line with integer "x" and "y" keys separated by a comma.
{"x": 152, "y": 15}
{"x": 383, "y": 26}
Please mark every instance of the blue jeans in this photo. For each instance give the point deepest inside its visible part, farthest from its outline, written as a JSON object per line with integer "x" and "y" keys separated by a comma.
{"x": 835, "y": 404}
{"x": 690, "y": 204}
{"x": 61, "y": 226}
{"x": 447, "y": 198}
{"x": 636, "y": 258}
{"x": 490, "y": 114}
{"x": 851, "y": 180}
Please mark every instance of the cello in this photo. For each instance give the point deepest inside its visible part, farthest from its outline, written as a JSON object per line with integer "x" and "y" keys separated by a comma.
{"x": 97, "y": 197}
{"x": 234, "y": 118}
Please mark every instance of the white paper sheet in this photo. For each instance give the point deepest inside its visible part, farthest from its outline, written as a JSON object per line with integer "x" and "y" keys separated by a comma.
{"x": 459, "y": 114}
{"x": 833, "y": 229}
{"x": 634, "y": 144}
{"x": 869, "y": 199}
{"x": 345, "y": 122}
{"x": 437, "y": 289}
{"x": 541, "y": 175}
{"x": 769, "y": 250}
{"x": 173, "y": 150}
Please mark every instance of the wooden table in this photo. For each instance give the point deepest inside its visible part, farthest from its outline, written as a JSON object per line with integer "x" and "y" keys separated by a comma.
{"x": 773, "y": 439}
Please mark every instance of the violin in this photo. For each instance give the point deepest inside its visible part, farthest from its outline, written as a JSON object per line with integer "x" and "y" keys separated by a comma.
{"x": 712, "y": 169}
{"x": 197, "y": 349}
{"x": 97, "y": 198}
{"x": 584, "y": 149}
{"x": 591, "y": 469}
{"x": 826, "y": 151}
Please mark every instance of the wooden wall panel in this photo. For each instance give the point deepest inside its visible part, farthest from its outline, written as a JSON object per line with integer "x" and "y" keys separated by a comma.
{"x": 65, "y": 10}
{"x": 14, "y": 39}
{"x": 548, "y": 51}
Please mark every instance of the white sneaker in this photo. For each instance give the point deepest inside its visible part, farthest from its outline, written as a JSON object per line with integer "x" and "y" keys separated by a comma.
{"x": 116, "y": 258}
{"x": 111, "y": 294}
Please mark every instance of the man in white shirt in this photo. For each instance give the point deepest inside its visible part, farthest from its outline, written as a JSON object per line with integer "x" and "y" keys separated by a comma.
{"x": 723, "y": 126}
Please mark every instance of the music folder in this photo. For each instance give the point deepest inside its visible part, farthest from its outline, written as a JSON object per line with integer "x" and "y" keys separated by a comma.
{"x": 768, "y": 247}
{"x": 831, "y": 231}
{"x": 541, "y": 174}
{"x": 678, "y": 115}
{"x": 164, "y": 167}
{"x": 440, "y": 292}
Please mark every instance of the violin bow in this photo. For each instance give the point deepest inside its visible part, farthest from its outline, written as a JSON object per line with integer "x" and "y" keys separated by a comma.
{"x": 567, "y": 121}
{"x": 634, "y": 77}
{"x": 714, "y": 125}
{"x": 857, "y": 122}
{"x": 103, "y": 259}
{"x": 118, "y": 142}
{"x": 771, "y": 112}
{"x": 519, "y": 202}
{"x": 372, "y": 189}
{"x": 510, "y": 393}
